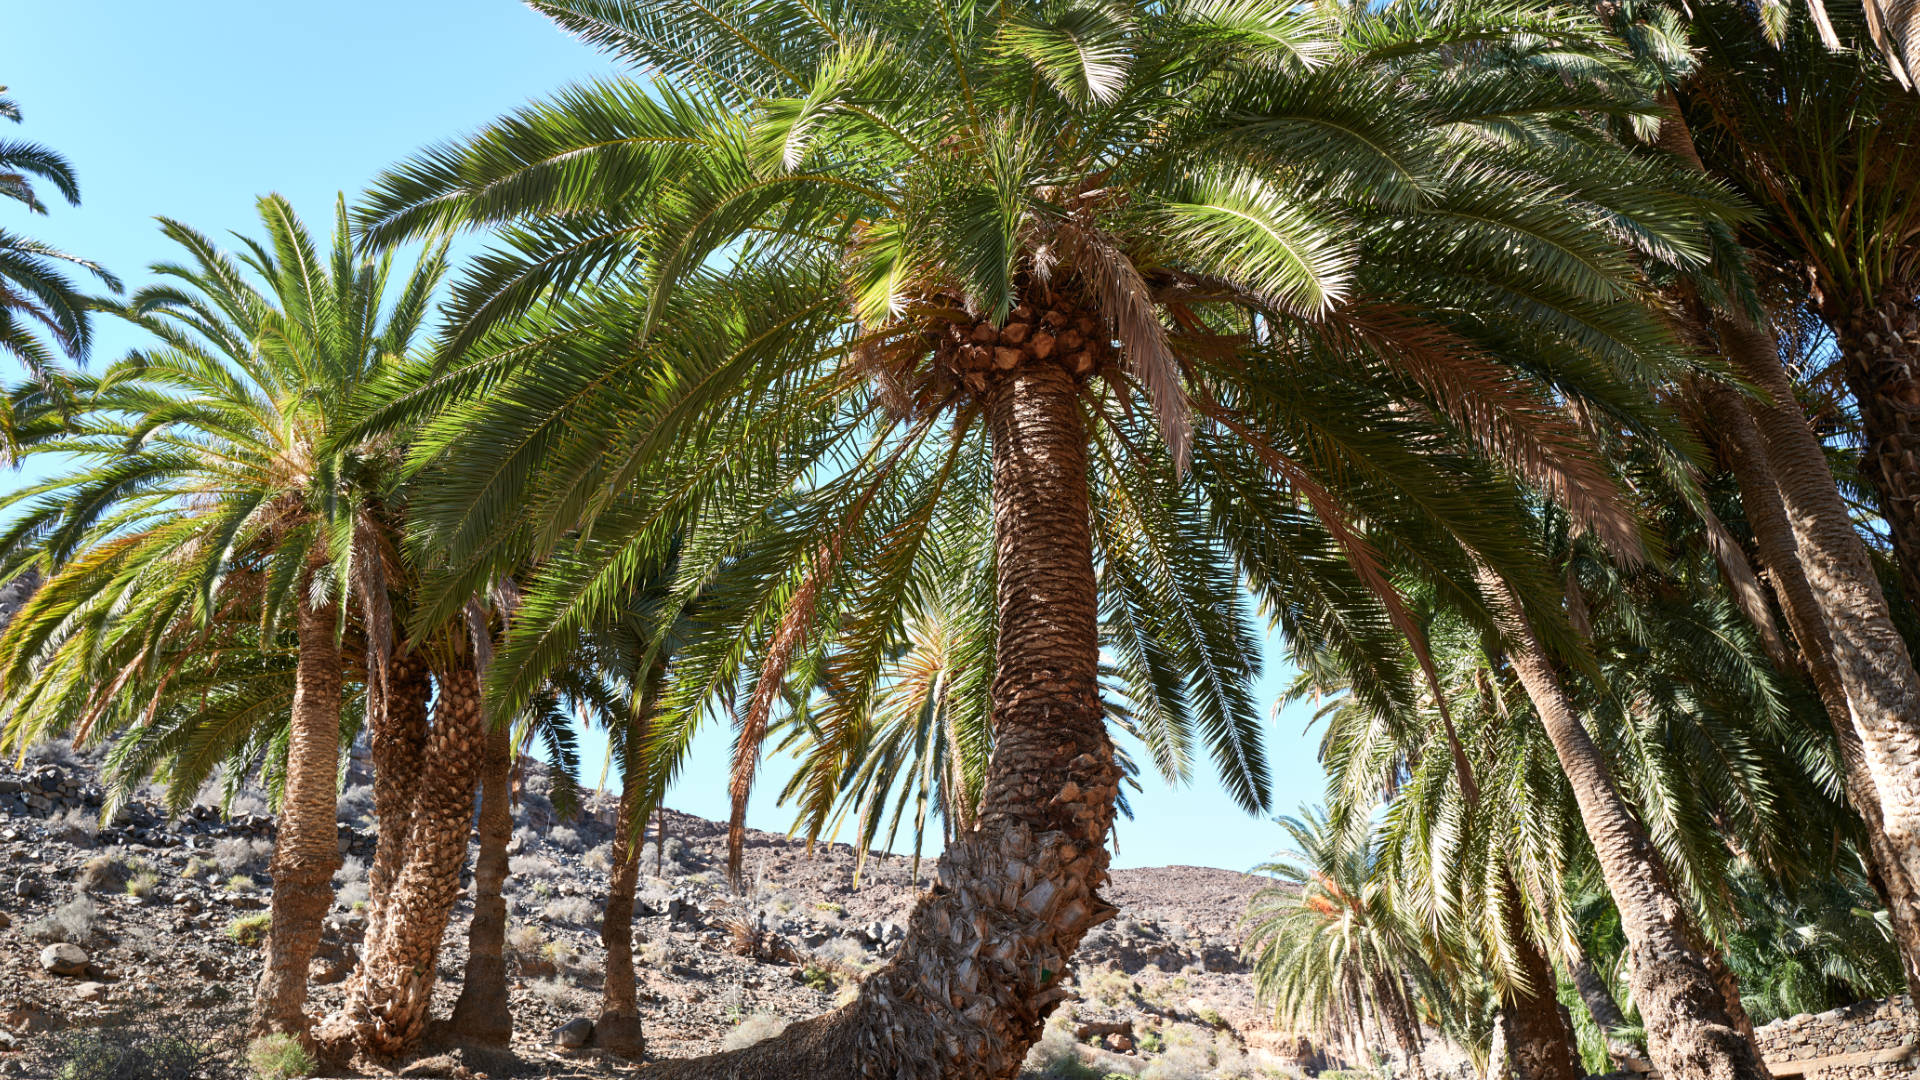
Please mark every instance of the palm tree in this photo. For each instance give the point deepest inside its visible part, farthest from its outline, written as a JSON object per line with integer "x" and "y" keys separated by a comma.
{"x": 1830, "y": 592}
{"x": 390, "y": 999}
{"x": 1332, "y": 947}
{"x": 34, "y": 288}
{"x": 1826, "y": 142}
{"x": 212, "y": 474}
{"x": 1710, "y": 746}
{"x": 930, "y": 260}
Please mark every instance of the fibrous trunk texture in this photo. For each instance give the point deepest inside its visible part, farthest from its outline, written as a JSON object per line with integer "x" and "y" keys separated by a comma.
{"x": 397, "y": 732}
{"x": 1392, "y": 997}
{"x": 1879, "y": 346}
{"x": 618, "y": 1029}
{"x": 1773, "y": 538}
{"x": 1693, "y": 1031}
{"x": 987, "y": 948}
{"x": 481, "y": 1016}
{"x": 388, "y": 1001}
{"x": 1538, "y": 1037}
{"x": 306, "y": 849}
{"x": 1869, "y": 656}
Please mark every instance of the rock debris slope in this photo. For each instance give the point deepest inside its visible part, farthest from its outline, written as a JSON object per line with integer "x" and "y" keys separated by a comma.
{"x": 155, "y": 921}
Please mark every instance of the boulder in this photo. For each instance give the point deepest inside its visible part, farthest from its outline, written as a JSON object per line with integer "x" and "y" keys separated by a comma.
{"x": 64, "y": 959}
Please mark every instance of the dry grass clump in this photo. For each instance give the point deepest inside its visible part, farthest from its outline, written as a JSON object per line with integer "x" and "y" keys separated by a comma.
{"x": 757, "y": 1027}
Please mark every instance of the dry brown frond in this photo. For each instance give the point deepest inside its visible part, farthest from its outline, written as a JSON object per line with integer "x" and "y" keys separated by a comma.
{"x": 1510, "y": 419}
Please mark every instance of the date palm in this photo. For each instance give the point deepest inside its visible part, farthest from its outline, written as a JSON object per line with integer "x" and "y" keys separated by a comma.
{"x": 1332, "y": 945}
{"x": 1106, "y": 277}
{"x": 209, "y": 477}
{"x": 1831, "y": 147}
{"x": 1830, "y": 591}
{"x": 1708, "y": 745}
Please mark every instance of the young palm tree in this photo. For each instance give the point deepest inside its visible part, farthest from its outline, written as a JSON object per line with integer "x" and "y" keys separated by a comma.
{"x": 34, "y": 288}
{"x": 211, "y": 473}
{"x": 1047, "y": 266}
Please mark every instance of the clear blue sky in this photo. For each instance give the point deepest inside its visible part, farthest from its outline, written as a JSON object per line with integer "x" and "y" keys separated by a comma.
{"x": 192, "y": 110}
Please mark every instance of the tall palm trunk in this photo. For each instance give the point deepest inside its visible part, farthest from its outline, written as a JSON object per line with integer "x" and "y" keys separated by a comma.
{"x": 1693, "y": 1030}
{"x": 1879, "y": 349}
{"x": 388, "y": 1001}
{"x": 1538, "y": 1038}
{"x": 618, "y": 1029}
{"x": 306, "y": 849}
{"x": 481, "y": 1015}
{"x": 987, "y": 948}
{"x": 1773, "y": 539}
{"x": 1870, "y": 657}
{"x": 397, "y": 734}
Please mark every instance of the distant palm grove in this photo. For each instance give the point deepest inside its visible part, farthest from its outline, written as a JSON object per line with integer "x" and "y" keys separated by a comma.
{"x": 936, "y": 388}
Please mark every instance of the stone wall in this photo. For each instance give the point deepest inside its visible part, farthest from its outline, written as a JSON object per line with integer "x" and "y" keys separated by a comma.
{"x": 1868, "y": 1040}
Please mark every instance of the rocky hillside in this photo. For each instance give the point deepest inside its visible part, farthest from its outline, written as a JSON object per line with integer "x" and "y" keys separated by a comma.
{"x": 155, "y": 922}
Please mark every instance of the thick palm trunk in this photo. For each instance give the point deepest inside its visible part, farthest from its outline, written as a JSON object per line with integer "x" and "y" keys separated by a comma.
{"x": 1538, "y": 1038}
{"x": 988, "y": 947}
{"x": 1879, "y": 349}
{"x": 1693, "y": 1031}
{"x": 388, "y": 1001}
{"x": 481, "y": 1016}
{"x": 397, "y": 733}
{"x": 1774, "y": 540}
{"x": 306, "y": 849}
{"x": 618, "y": 1029}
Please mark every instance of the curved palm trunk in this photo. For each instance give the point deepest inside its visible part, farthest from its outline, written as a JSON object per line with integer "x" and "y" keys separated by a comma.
{"x": 481, "y": 1015}
{"x": 1870, "y": 658}
{"x": 397, "y": 734}
{"x": 618, "y": 1029}
{"x": 1693, "y": 1031}
{"x": 987, "y": 948}
{"x": 1773, "y": 538}
{"x": 306, "y": 849}
{"x": 388, "y": 1002}
{"x": 1598, "y": 998}
{"x": 1879, "y": 348}
{"x": 1538, "y": 1038}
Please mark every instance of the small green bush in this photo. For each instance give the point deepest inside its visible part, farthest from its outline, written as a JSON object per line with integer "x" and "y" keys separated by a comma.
{"x": 818, "y": 978}
{"x": 279, "y": 1057}
{"x": 240, "y": 883}
{"x": 125, "y": 1054}
{"x": 250, "y": 930}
